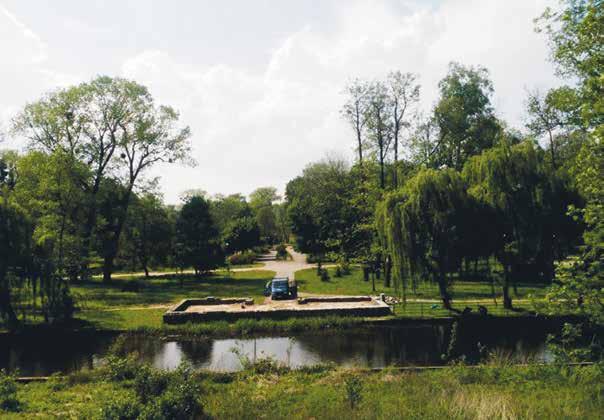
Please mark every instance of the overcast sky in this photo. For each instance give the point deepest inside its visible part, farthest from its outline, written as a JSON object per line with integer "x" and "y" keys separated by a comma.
{"x": 260, "y": 82}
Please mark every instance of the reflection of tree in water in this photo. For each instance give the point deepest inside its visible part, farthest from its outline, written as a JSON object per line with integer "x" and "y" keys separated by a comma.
{"x": 197, "y": 352}
{"x": 377, "y": 347}
{"x": 43, "y": 355}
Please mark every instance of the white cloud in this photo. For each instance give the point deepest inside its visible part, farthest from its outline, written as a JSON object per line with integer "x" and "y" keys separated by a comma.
{"x": 253, "y": 128}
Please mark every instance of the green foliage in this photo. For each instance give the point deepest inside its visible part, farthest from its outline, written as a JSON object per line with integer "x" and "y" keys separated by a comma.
{"x": 121, "y": 408}
{"x": 241, "y": 234}
{"x": 464, "y": 116}
{"x": 243, "y": 258}
{"x": 354, "y": 388}
{"x": 197, "y": 238}
{"x": 8, "y": 393}
{"x": 324, "y": 275}
{"x": 282, "y": 253}
{"x": 422, "y": 226}
{"x": 572, "y": 345}
{"x": 150, "y": 383}
{"x": 121, "y": 368}
{"x": 159, "y": 395}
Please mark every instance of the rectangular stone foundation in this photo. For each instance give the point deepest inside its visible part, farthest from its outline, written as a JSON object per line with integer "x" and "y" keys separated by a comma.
{"x": 214, "y": 309}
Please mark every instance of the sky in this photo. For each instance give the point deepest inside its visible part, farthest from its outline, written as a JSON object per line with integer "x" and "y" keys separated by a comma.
{"x": 260, "y": 83}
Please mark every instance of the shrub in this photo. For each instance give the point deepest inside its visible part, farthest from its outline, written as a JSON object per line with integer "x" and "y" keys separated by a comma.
{"x": 354, "y": 386}
{"x": 243, "y": 258}
{"x": 122, "y": 408}
{"x": 122, "y": 368}
{"x": 324, "y": 275}
{"x": 150, "y": 382}
{"x": 56, "y": 382}
{"x": 282, "y": 253}
{"x": 338, "y": 272}
{"x": 8, "y": 392}
{"x": 180, "y": 400}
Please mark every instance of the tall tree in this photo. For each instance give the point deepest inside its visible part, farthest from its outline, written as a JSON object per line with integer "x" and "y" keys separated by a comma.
{"x": 354, "y": 111}
{"x": 403, "y": 96}
{"x": 379, "y": 125}
{"x": 464, "y": 115}
{"x": 197, "y": 238}
{"x": 422, "y": 226}
{"x": 544, "y": 117}
{"x": 261, "y": 202}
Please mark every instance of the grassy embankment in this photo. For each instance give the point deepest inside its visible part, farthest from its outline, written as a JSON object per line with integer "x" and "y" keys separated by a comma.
{"x": 540, "y": 392}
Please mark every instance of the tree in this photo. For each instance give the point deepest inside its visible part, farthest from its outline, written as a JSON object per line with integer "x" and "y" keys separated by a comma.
{"x": 544, "y": 117}
{"x": 197, "y": 238}
{"x": 464, "y": 116}
{"x": 355, "y": 110}
{"x": 241, "y": 234}
{"x": 379, "y": 125}
{"x": 48, "y": 188}
{"x": 422, "y": 226}
{"x": 510, "y": 179}
{"x": 225, "y": 209}
{"x": 113, "y": 126}
{"x": 261, "y": 202}
{"x": 318, "y": 206}
{"x": 15, "y": 253}
{"x": 150, "y": 231}
{"x": 403, "y": 95}
{"x": 574, "y": 33}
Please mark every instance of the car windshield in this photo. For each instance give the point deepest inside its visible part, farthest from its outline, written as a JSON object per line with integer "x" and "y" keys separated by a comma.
{"x": 280, "y": 285}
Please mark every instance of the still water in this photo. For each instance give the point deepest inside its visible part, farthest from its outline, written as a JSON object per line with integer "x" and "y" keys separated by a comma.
{"x": 408, "y": 345}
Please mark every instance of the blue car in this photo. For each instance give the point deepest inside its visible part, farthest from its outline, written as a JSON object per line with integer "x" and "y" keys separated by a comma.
{"x": 281, "y": 288}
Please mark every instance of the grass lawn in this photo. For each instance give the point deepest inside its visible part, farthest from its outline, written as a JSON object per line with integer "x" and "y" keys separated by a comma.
{"x": 108, "y": 306}
{"x": 539, "y": 392}
{"x": 353, "y": 284}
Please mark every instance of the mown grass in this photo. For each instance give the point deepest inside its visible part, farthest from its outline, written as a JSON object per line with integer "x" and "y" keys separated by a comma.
{"x": 169, "y": 289}
{"x": 510, "y": 392}
{"x": 354, "y": 284}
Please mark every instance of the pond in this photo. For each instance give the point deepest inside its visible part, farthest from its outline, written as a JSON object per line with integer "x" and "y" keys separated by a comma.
{"x": 375, "y": 346}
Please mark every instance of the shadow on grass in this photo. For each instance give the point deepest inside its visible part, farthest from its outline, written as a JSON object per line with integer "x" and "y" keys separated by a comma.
{"x": 167, "y": 289}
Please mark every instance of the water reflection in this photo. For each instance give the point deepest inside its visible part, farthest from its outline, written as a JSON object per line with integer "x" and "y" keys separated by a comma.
{"x": 371, "y": 347}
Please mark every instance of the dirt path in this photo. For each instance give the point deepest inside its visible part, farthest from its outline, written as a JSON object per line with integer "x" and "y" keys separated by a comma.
{"x": 281, "y": 268}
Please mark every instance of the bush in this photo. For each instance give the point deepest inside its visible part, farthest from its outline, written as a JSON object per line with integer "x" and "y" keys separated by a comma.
{"x": 324, "y": 275}
{"x": 282, "y": 253}
{"x": 150, "y": 383}
{"x": 122, "y": 368}
{"x": 243, "y": 258}
{"x": 180, "y": 400}
{"x": 8, "y": 392}
{"x": 338, "y": 272}
{"x": 354, "y": 386}
{"x": 122, "y": 408}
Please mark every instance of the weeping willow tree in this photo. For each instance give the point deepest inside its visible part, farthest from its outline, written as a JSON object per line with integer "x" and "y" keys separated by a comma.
{"x": 422, "y": 226}
{"x": 509, "y": 179}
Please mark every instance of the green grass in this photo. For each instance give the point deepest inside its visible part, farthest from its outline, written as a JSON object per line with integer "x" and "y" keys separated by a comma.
{"x": 539, "y": 392}
{"x": 161, "y": 290}
{"x": 107, "y": 306}
{"x": 353, "y": 284}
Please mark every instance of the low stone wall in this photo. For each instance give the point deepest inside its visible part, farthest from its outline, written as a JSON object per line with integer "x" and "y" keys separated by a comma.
{"x": 311, "y": 299}
{"x": 210, "y": 300}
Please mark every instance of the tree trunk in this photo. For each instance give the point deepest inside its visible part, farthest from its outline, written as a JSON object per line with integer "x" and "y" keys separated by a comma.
{"x": 115, "y": 240}
{"x": 388, "y": 272}
{"x": 507, "y": 300}
{"x": 442, "y": 288}
{"x": 551, "y": 147}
